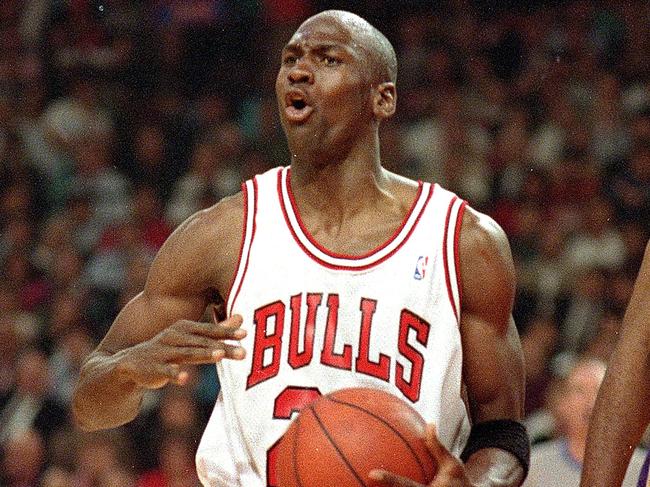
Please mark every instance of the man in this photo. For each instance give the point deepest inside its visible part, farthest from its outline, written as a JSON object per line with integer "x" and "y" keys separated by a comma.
{"x": 559, "y": 461}
{"x": 336, "y": 273}
{"x": 621, "y": 413}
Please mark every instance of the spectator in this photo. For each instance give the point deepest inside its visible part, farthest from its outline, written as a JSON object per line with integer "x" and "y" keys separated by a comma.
{"x": 104, "y": 460}
{"x": 30, "y": 405}
{"x": 175, "y": 463}
{"x": 23, "y": 459}
{"x": 212, "y": 171}
{"x": 558, "y": 461}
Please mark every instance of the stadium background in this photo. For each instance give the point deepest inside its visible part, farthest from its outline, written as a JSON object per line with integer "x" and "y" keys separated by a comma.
{"x": 118, "y": 119}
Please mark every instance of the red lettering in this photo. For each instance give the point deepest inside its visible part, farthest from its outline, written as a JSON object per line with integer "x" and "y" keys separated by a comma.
{"x": 380, "y": 369}
{"x": 300, "y": 359}
{"x": 291, "y": 400}
{"x": 410, "y": 321}
{"x": 265, "y": 341}
{"x": 328, "y": 357}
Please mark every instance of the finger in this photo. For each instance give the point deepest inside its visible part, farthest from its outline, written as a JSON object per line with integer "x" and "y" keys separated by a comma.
{"x": 182, "y": 339}
{"x": 182, "y": 378}
{"x": 198, "y": 356}
{"x": 388, "y": 479}
{"x": 437, "y": 449}
{"x": 234, "y": 321}
{"x": 226, "y": 330}
{"x": 450, "y": 471}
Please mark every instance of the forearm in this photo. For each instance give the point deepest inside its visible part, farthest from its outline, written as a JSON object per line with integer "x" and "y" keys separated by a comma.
{"x": 493, "y": 467}
{"x": 619, "y": 419}
{"x": 104, "y": 396}
{"x": 621, "y": 412}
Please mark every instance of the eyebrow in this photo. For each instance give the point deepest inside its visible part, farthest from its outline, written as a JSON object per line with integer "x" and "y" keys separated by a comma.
{"x": 318, "y": 47}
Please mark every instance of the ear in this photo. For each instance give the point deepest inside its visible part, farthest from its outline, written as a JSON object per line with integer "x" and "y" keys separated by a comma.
{"x": 384, "y": 100}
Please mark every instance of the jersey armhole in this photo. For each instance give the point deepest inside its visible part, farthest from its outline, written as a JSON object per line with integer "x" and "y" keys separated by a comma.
{"x": 249, "y": 190}
{"x": 451, "y": 253}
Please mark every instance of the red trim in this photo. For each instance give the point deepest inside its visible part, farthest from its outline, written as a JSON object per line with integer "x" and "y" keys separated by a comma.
{"x": 459, "y": 224}
{"x": 250, "y": 246}
{"x": 444, "y": 257}
{"x": 244, "y": 190}
{"x": 345, "y": 256}
{"x": 336, "y": 255}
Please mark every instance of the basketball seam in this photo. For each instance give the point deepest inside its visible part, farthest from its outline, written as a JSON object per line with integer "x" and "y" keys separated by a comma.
{"x": 399, "y": 435}
{"x": 295, "y": 454}
{"x": 338, "y": 451}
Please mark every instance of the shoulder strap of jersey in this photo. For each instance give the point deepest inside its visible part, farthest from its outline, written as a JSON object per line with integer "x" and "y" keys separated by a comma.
{"x": 249, "y": 189}
{"x": 450, "y": 252}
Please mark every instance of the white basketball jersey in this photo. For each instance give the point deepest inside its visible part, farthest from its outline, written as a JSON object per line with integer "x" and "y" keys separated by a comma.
{"x": 318, "y": 321}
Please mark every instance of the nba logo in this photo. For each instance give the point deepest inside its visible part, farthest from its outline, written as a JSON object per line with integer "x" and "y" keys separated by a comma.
{"x": 421, "y": 267}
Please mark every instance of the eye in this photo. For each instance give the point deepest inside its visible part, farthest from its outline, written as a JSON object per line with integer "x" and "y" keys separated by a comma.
{"x": 330, "y": 61}
{"x": 289, "y": 59}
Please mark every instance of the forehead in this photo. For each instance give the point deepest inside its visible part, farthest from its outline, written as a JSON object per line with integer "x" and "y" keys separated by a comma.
{"x": 327, "y": 30}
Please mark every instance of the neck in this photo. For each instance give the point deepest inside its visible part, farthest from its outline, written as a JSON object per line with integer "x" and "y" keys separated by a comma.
{"x": 333, "y": 181}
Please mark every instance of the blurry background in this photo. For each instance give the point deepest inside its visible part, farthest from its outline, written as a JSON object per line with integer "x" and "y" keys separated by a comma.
{"x": 120, "y": 118}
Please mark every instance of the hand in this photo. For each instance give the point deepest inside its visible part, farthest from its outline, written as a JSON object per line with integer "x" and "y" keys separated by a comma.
{"x": 450, "y": 471}
{"x": 156, "y": 362}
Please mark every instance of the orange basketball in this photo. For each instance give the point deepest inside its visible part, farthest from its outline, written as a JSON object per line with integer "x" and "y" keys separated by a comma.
{"x": 340, "y": 437}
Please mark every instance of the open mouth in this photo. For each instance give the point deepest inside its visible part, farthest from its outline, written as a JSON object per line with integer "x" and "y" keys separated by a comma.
{"x": 298, "y": 104}
{"x": 297, "y": 109}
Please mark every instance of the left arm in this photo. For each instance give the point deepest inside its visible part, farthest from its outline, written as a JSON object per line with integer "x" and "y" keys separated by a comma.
{"x": 493, "y": 369}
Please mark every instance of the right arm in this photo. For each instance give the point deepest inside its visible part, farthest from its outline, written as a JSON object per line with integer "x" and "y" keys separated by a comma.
{"x": 157, "y": 331}
{"x": 621, "y": 413}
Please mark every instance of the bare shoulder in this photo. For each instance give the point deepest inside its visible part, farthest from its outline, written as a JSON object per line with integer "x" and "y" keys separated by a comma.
{"x": 202, "y": 252}
{"x": 487, "y": 269}
{"x": 481, "y": 235}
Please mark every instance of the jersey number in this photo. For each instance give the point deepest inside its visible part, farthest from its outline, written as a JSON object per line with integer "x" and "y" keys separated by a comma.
{"x": 291, "y": 400}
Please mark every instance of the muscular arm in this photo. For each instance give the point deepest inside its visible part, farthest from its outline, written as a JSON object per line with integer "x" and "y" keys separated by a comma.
{"x": 492, "y": 359}
{"x": 155, "y": 332}
{"x": 621, "y": 413}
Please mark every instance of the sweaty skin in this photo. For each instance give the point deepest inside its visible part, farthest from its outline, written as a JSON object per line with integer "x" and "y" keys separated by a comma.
{"x": 335, "y": 85}
{"x": 622, "y": 413}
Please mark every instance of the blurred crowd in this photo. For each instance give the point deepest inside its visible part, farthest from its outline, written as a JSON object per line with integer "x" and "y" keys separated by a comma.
{"x": 120, "y": 118}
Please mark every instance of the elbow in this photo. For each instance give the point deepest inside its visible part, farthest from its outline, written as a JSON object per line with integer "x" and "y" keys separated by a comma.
{"x": 88, "y": 418}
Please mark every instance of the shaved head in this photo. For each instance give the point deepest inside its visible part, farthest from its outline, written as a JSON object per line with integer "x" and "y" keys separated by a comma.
{"x": 367, "y": 38}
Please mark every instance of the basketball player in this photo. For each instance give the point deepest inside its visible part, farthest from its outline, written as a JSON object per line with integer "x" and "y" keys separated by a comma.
{"x": 336, "y": 273}
{"x": 622, "y": 413}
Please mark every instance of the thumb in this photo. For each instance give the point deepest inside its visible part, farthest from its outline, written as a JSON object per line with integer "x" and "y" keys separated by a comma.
{"x": 437, "y": 449}
{"x": 450, "y": 470}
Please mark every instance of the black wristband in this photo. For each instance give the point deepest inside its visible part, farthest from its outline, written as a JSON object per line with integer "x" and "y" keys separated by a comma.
{"x": 505, "y": 434}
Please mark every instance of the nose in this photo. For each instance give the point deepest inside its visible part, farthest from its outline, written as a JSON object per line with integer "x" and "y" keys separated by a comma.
{"x": 299, "y": 74}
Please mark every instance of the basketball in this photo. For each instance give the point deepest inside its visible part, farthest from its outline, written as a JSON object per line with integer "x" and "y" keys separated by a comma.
{"x": 341, "y": 437}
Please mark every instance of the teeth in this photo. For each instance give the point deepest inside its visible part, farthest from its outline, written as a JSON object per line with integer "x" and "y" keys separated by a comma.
{"x": 296, "y": 100}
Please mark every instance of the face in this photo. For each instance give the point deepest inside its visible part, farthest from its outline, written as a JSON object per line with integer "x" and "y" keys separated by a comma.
{"x": 323, "y": 86}
{"x": 579, "y": 396}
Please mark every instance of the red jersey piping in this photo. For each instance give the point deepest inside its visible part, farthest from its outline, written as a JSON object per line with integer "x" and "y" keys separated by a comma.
{"x": 352, "y": 265}
{"x": 246, "y": 229}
